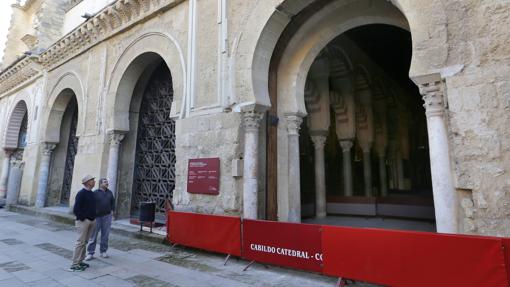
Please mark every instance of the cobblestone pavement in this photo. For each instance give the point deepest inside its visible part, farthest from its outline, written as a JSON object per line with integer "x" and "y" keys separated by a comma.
{"x": 37, "y": 252}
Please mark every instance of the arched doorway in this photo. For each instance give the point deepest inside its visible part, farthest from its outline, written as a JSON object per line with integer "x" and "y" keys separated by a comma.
{"x": 62, "y": 162}
{"x": 296, "y": 52}
{"x": 15, "y": 141}
{"x": 374, "y": 140}
{"x": 147, "y": 157}
{"x": 154, "y": 169}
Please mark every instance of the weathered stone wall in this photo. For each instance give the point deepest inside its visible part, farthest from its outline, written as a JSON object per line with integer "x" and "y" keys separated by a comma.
{"x": 217, "y": 135}
{"x": 479, "y": 104}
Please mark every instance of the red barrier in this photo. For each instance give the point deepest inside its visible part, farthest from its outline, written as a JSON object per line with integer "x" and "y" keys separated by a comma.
{"x": 209, "y": 232}
{"x": 506, "y": 252}
{"x": 284, "y": 244}
{"x": 399, "y": 258}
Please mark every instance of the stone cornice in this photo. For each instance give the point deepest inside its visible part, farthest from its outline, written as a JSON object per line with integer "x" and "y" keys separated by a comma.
{"x": 18, "y": 73}
{"x": 111, "y": 20}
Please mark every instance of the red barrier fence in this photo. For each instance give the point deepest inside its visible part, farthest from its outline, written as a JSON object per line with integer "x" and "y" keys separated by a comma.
{"x": 214, "y": 233}
{"x": 401, "y": 258}
{"x": 388, "y": 257}
{"x": 284, "y": 244}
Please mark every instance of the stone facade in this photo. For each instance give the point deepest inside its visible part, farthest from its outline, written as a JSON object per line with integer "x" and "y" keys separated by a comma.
{"x": 219, "y": 56}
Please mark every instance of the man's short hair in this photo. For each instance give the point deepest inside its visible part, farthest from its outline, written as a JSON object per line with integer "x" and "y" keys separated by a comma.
{"x": 102, "y": 180}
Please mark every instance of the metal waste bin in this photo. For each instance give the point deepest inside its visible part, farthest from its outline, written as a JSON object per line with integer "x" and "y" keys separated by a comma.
{"x": 147, "y": 213}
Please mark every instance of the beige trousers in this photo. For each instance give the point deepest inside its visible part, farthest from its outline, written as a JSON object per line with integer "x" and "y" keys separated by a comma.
{"x": 85, "y": 229}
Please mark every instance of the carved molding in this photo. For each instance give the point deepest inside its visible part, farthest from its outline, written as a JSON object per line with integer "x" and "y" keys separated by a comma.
{"x": 113, "y": 19}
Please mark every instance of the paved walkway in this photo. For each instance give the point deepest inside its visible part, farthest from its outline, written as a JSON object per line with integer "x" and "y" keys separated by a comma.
{"x": 37, "y": 252}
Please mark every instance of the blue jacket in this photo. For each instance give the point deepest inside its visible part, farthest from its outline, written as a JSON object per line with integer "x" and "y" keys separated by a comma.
{"x": 85, "y": 205}
{"x": 105, "y": 202}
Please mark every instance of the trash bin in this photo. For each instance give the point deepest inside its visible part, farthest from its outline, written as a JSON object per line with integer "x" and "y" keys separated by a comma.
{"x": 147, "y": 213}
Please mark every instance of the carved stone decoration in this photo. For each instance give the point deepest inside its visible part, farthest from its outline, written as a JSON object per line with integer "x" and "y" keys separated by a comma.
{"x": 252, "y": 120}
{"x": 293, "y": 124}
{"x": 115, "y": 138}
{"x": 319, "y": 141}
{"x": 433, "y": 97}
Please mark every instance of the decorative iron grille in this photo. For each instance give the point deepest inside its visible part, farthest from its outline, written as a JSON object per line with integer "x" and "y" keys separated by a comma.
{"x": 72, "y": 147}
{"x": 154, "y": 174}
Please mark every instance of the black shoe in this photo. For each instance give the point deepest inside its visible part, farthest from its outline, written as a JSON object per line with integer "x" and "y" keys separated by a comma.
{"x": 76, "y": 268}
{"x": 83, "y": 265}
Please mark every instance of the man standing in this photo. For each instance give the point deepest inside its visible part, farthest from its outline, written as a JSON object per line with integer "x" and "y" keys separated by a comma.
{"x": 105, "y": 205}
{"x": 85, "y": 211}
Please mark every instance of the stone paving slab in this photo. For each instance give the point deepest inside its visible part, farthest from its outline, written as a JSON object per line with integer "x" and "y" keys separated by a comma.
{"x": 37, "y": 252}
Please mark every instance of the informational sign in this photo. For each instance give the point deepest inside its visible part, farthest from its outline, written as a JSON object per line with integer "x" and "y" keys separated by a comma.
{"x": 285, "y": 244}
{"x": 204, "y": 176}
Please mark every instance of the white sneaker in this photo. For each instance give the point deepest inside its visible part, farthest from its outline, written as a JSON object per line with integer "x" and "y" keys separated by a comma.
{"x": 89, "y": 257}
{"x": 104, "y": 255}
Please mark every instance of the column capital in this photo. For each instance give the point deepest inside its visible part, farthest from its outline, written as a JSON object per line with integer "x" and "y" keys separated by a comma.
{"x": 8, "y": 152}
{"x": 17, "y": 163}
{"x": 319, "y": 141}
{"x": 252, "y": 119}
{"x": 115, "y": 137}
{"x": 48, "y": 148}
{"x": 432, "y": 94}
{"x": 346, "y": 145}
{"x": 293, "y": 123}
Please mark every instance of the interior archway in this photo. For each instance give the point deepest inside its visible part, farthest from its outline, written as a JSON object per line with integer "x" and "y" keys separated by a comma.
{"x": 307, "y": 38}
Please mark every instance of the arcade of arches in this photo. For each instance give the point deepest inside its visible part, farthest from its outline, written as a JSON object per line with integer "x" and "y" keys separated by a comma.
{"x": 360, "y": 113}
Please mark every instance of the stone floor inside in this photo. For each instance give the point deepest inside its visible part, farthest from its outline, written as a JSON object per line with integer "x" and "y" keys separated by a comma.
{"x": 375, "y": 222}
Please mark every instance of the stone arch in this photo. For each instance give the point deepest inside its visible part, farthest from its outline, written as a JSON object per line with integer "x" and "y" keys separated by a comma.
{"x": 429, "y": 51}
{"x": 329, "y": 23}
{"x": 12, "y": 129}
{"x": 67, "y": 86}
{"x": 133, "y": 61}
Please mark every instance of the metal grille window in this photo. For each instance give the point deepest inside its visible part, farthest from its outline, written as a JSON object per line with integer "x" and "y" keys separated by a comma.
{"x": 72, "y": 147}
{"x": 154, "y": 174}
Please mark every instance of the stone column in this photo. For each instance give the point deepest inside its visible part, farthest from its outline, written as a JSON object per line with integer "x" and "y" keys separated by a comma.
{"x": 44, "y": 172}
{"x": 382, "y": 174}
{"x": 346, "y": 157}
{"x": 251, "y": 152}
{"x": 367, "y": 169}
{"x": 319, "y": 140}
{"x": 113, "y": 160}
{"x": 445, "y": 198}
{"x": 5, "y": 173}
{"x": 14, "y": 183}
{"x": 293, "y": 125}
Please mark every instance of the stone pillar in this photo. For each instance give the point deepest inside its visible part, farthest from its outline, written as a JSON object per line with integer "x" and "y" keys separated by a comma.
{"x": 319, "y": 140}
{"x": 113, "y": 160}
{"x": 382, "y": 174}
{"x": 445, "y": 198}
{"x": 346, "y": 157}
{"x": 367, "y": 169}
{"x": 44, "y": 172}
{"x": 14, "y": 182}
{"x": 5, "y": 173}
{"x": 293, "y": 125}
{"x": 251, "y": 151}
